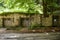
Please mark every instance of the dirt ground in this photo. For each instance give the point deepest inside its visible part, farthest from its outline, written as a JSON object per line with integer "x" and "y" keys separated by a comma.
{"x": 24, "y": 30}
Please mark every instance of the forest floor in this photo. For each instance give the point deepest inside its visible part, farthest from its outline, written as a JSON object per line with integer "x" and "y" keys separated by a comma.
{"x": 25, "y": 30}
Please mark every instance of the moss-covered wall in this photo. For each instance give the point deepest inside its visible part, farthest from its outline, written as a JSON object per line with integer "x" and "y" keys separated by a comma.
{"x": 0, "y": 22}
{"x": 47, "y": 21}
{"x": 36, "y": 18}
{"x": 12, "y": 19}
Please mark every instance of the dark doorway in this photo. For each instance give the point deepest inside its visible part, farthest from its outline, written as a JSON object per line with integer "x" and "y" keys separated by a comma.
{"x": 24, "y": 22}
{"x": 3, "y": 25}
{"x": 55, "y": 20}
{"x": 7, "y": 22}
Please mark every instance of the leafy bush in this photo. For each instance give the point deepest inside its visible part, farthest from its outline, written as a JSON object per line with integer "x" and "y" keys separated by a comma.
{"x": 24, "y": 6}
{"x": 14, "y": 28}
{"x": 35, "y": 26}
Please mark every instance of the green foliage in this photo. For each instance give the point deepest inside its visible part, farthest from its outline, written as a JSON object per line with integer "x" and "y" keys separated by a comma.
{"x": 13, "y": 27}
{"x": 26, "y": 6}
{"x": 35, "y": 26}
{"x": 52, "y": 5}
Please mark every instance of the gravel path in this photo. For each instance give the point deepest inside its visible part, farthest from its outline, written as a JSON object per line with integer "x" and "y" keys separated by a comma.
{"x": 30, "y": 36}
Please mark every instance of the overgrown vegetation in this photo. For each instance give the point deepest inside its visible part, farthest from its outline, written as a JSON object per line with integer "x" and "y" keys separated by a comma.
{"x": 13, "y": 27}
{"x": 51, "y": 5}
{"x": 26, "y": 6}
{"x": 35, "y": 26}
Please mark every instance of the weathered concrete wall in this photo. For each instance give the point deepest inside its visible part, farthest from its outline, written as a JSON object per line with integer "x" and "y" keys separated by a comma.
{"x": 15, "y": 19}
{"x": 47, "y": 21}
{"x": 0, "y": 22}
{"x": 35, "y": 19}
{"x": 12, "y": 19}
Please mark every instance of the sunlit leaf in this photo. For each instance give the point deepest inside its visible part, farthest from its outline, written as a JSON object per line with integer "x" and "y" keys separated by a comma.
{"x": 26, "y": 6}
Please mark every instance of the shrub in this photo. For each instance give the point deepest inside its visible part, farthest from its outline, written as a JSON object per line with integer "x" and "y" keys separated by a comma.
{"x": 35, "y": 26}
{"x": 14, "y": 28}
